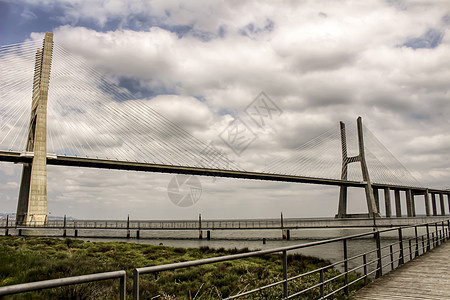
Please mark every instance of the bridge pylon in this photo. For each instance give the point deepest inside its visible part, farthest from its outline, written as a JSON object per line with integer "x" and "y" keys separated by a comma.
{"x": 346, "y": 160}
{"x": 32, "y": 204}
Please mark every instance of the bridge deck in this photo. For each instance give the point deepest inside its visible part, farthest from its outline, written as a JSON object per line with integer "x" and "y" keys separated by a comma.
{"x": 17, "y": 157}
{"x": 426, "y": 277}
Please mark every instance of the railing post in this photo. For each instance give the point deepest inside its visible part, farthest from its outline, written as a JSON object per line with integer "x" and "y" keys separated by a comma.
{"x": 423, "y": 245}
{"x": 321, "y": 283}
{"x": 365, "y": 269}
{"x": 345, "y": 267}
{"x": 437, "y": 234}
{"x": 285, "y": 283}
{"x": 64, "y": 227}
{"x": 128, "y": 227}
{"x": 136, "y": 285}
{"x": 379, "y": 272}
{"x": 200, "y": 233}
{"x": 443, "y": 232}
{"x": 410, "y": 250}
{"x": 447, "y": 231}
{"x": 392, "y": 257}
{"x": 400, "y": 240}
{"x": 7, "y": 230}
{"x": 123, "y": 287}
{"x": 428, "y": 238}
{"x": 448, "y": 225}
{"x": 417, "y": 241}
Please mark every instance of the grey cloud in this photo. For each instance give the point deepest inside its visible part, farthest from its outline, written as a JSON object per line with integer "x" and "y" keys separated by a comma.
{"x": 322, "y": 60}
{"x": 446, "y": 19}
{"x": 319, "y": 70}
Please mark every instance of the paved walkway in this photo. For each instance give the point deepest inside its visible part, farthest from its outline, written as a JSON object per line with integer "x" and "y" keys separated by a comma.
{"x": 426, "y": 277}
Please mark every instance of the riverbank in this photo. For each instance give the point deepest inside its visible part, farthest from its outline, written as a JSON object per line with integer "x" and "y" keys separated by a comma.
{"x": 32, "y": 259}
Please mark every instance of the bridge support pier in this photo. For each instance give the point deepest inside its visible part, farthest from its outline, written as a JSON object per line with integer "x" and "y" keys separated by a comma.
{"x": 410, "y": 203}
{"x": 433, "y": 204}
{"x": 448, "y": 202}
{"x": 426, "y": 196}
{"x": 342, "y": 207}
{"x": 377, "y": 198}
{"x": 441, "y": 200}
{"x": 398, "y": 204}
{"x": 32, "y": 204}
{"x": 387, "y": 202}
{"x": 372, "y": 204}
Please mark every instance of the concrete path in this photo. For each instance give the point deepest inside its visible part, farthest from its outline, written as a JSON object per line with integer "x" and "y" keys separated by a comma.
{"x": 426, "y": 277}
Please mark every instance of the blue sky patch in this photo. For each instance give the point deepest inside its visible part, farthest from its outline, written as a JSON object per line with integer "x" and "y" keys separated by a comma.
{"x": 430, "y": 40}
{"x": 251, "y": 29}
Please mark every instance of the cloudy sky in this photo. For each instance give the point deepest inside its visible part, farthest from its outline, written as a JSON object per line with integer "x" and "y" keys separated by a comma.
{"x": 202, "y": 64}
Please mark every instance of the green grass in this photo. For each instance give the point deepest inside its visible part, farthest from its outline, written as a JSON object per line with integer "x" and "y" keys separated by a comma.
{"x": 32, "y": 259}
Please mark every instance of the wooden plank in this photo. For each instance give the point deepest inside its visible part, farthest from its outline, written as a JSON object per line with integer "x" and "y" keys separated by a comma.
{"x": 425, "y": 277}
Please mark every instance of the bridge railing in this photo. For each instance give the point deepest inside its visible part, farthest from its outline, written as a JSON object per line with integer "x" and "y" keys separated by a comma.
{"x": 387, "y": 249}
{"x": 223, "y": 224}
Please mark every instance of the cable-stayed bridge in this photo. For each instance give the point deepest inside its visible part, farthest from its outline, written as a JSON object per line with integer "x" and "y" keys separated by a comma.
{"x": 91, "y": 122}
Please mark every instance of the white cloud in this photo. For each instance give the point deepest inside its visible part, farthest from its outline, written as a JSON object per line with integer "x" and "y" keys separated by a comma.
{"x": 193, "y": 114}
{"x": 320, "y": 61}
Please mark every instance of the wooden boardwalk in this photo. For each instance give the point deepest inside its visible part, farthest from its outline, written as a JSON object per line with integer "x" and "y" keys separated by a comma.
{"x": 426, "y": 277}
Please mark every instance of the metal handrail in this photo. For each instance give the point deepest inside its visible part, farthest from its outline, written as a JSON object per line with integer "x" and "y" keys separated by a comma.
{"x": 39, "y": 285}
{"x": 378, "y": 270}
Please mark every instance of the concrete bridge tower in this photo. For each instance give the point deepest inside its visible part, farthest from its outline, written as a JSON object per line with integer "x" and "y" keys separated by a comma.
{"x": 32, "y": 204}
{"x": 361, "y": 158}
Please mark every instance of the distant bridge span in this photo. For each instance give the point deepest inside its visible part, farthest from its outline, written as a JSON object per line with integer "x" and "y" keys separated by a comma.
{"x": 17, "y": 157}
{"x": 410, "y": 192}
